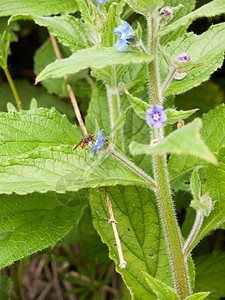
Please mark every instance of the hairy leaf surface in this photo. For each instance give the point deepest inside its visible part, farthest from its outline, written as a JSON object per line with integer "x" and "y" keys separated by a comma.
{"x": 96, "y": 57}
{"x": 38, "y": 7}
{"x": 185, "y": 140}
{"x": 34, "y": 222}
{"x": 141, "y": 235}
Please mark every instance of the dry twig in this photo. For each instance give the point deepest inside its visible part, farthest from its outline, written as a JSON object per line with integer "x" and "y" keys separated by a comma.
{"x": 113, "y": 222}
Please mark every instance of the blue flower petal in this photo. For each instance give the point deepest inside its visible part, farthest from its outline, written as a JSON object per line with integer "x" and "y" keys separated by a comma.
{"x": 158, "y": 108}
{"x": 121, "y": 45}
{"x": 119, "y": 30}
{"x": 163, "y": 116}
{"x": 126, "y": 27}
{"x": 158, "y": 124}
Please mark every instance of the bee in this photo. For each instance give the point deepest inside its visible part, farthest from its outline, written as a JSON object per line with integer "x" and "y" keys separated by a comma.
{"x": 86, "y": 140}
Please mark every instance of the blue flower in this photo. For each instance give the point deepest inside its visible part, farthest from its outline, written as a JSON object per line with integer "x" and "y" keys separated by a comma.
{"x": 156, "y": 116}
{"x": 98, "y": 144}
{"x": 124, "y": 33}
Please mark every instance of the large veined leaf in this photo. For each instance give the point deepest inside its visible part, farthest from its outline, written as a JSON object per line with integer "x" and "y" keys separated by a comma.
{"x": 26, "y": 131}
{"x": 185, "y": 140}
{"x": 140, "y": 232}
{"x": 213, "y": 134}
{"x": 211, "y": 9}
{"x": 61, "y": 169}
{"x": 32, "y": 223}
{"x": 96, "y": 57}
{"x": 68, "y": 29}
{"x": 200, "y": 51}
{"x": 38, "y": 7}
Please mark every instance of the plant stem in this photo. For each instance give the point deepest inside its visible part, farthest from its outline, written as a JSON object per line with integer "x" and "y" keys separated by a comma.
{"x": 16, "y": 282}
{"x": 13, "y": 88}
{"x": 195, "y": 230}
{"x": 115, "y": 113}
{"x": 168, "y": 80}
{"x": 170, "y": 225}
{"x": 133, "y": 167}
{"x": 171, "y": 228}
{"x": 152, "y": 66}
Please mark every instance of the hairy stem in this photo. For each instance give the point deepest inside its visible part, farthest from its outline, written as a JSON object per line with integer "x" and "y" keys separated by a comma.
{"x": 153, "y": 66}
{"x": 168, "y": 80}
{"x": 195, "y": 230}
{"x": 13, "y": 88}
{"x": 115, "y": 113}
{"x": 133, "y": 167}
{"x": 69, "y": 87}
{"x": 171, "y": 228}
{"x": 113, "y": 222}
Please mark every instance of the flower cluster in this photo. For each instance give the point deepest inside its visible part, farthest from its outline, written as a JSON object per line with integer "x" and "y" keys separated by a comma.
{"x": 125, "y": 34}
{"x": 99, "y": 143}
{"x": 156, "y": 116}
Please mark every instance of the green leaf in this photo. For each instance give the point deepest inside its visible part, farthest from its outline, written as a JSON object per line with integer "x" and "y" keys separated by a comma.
{"x": 25, "y": 131}
{"x": 38, "y": 7}
{"x": 61, "y": 169}
{"x": 174, "y": 115}
{"x": 32, "y": 223}
{"x": 195, "y": 184}
{"x": 213, "y": 134}
{"x": 197, "y": 296}
{"x": 144, "y": 7}
{"x": 98, "y": 110}
{"x": 95, "y": 57}
{"x": 201, "y": 52}
{"x": 120, "y": 122}
{"x": 139, "y": 105}
{"x": 185, "y": 140}
{"x": 141, "y": 235}
{"x": 211, "y": 9}
{"x": 210, "y": 273}
{"x": 135, "y": 77}
{"x": 68, "y": 30}
{"x": 163, "y": 291}
{"x": 109, "y": 37}
{"x": 6, "y": 284}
